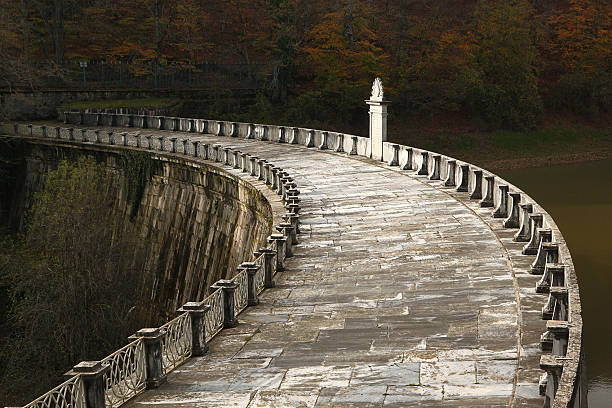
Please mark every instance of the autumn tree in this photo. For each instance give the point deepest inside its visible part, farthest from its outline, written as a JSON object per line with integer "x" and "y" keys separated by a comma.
{"x": 504, "y": 91}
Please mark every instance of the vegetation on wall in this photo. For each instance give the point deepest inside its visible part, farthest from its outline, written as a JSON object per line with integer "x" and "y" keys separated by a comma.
{"x": 138, "y": 168}
{"x": 71, "y": 282}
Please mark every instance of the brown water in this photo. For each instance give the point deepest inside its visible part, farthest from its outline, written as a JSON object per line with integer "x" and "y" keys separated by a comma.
{"x": 579, "y": 198}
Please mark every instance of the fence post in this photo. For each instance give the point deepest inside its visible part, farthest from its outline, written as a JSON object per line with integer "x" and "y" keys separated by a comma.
{"x": 152, "y": 338}
{"x": 197, "y": 313}
{"x": 92, "y": 374}
{"x": 228, "y": 287}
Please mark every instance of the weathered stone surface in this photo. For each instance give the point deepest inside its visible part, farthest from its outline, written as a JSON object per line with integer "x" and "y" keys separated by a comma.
{"x": 401, "y": 292}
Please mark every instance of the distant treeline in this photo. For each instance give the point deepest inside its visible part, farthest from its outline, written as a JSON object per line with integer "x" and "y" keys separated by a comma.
{"x": 500, "y": 62}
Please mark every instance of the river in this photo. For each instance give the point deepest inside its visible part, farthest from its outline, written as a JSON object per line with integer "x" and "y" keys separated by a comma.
{"x": 579, "y": 198}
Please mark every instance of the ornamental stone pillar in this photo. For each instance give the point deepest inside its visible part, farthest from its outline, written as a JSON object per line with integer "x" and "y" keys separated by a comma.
{"x": 378, "y": 120}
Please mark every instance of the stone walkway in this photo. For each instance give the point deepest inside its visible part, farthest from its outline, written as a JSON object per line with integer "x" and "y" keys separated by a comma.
{"x": 401, "y": 293}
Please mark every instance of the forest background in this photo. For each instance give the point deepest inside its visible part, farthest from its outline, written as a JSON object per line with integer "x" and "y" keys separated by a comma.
{"x": 490, "y": 64}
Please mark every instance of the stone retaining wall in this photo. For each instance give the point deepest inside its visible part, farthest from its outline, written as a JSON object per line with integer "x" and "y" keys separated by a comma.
{"x": 198, "y": 221}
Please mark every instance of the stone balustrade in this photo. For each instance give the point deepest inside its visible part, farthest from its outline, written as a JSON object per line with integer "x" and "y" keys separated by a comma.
{"x": 563, "y": 359}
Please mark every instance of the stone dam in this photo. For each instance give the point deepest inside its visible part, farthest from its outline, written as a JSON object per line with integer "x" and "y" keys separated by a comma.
{"x": 404, "y": 279}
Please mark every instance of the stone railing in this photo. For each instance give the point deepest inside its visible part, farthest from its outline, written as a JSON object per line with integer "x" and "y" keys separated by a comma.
{"x": 563, "y": 383}
{"x": 154, "y": 352}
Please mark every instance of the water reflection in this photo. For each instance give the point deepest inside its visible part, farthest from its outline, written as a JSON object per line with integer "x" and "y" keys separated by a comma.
{"x": 579, "y": 197}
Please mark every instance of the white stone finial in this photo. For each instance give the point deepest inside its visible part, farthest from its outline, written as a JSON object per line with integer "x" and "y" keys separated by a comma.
{"x": 377, "y": 90}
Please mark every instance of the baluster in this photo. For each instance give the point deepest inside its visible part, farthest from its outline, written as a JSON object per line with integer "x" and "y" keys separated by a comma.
{"x": 295, "y": 136}
{"x": 524, "y": 233}
{"x": 353, "y": 146}
{"x": 553, "y": 368}
{"x": 535, "y": 221}
{"x": 487, "y": 201}
{"x": 251, "y": 131}
{"x": 408, "y": 163}
{"x": 552, "y": 257}
{"x": 310, "y": 142}
{"x": 477, "y": 191}
{"x": 340, "y": 146}
{"x": 465, "y": 178}
{"x": 513, "y": 219}
{"x": 323, "y": 145}
{"x": 502, "y": 209}
{"x": 265, "y": 136}
{"x": 394, "y": 155}
{"x": 435, "y": 172}
{"x": 423, "y": 171}
{"x": 451, "y": 167}
{"x": 544, "y": 235}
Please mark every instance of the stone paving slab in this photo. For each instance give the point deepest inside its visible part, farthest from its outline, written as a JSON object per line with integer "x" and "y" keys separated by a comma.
{"x": 401, "y": 293}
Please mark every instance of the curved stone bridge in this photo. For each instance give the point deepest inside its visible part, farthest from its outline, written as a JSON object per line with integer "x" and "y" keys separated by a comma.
{"x": 404, "y": 288}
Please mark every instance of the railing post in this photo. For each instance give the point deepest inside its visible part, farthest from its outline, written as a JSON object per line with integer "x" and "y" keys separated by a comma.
{"x": 294, "y": 219}
{"x": 513, "y": 219}
{"x": 408, "y": 163}
{"x": 226, "y": 157}
{"x": 237, "y": 155}
{"x": 487, "y": 201}
{"x": 465, "y": 178}
{"x": 92, "y": 375}
{"x": 261, "y": 164}
{"x": 279, "y": 241}
{"x": 423, "y": 171}
{"x": 228, "y": 287}
{"x": 537, "y": 267}
{"x": 394, "y": 161}
{"x": 152, "y": 338}
{"x": 553, "y": 368}
{"x": 253, "y": 164}
{"x": 435, "y": 172}
{"x": 197, "y": 314}
{"x": 251, "y": 131}
{"x": 477, "y": 191}
{"x": 560, "y": 333}
{"x": 353, "y": 151}
{"x": 378, "y": 120}
{"x": 288, "y": 232}
{"x": 502, "y": 209}
{"x": 265, "y": 134}
{"x": 295, "y": 136}
{"x": 251, "y": 269}
{"x": 524, "y": 232}
{"x": 324, "y": 136}
{"x": 552, "y": 257}
{"x": 535, "y": 222}
{"x": 268, "y": 255}
{"x": 310, "y": 142}
{"x": 282, "y": 135}
{"x": 340, "y": 146}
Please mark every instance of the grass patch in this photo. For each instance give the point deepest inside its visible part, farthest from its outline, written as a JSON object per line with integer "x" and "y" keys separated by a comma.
{"x": 125, "y": 103}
